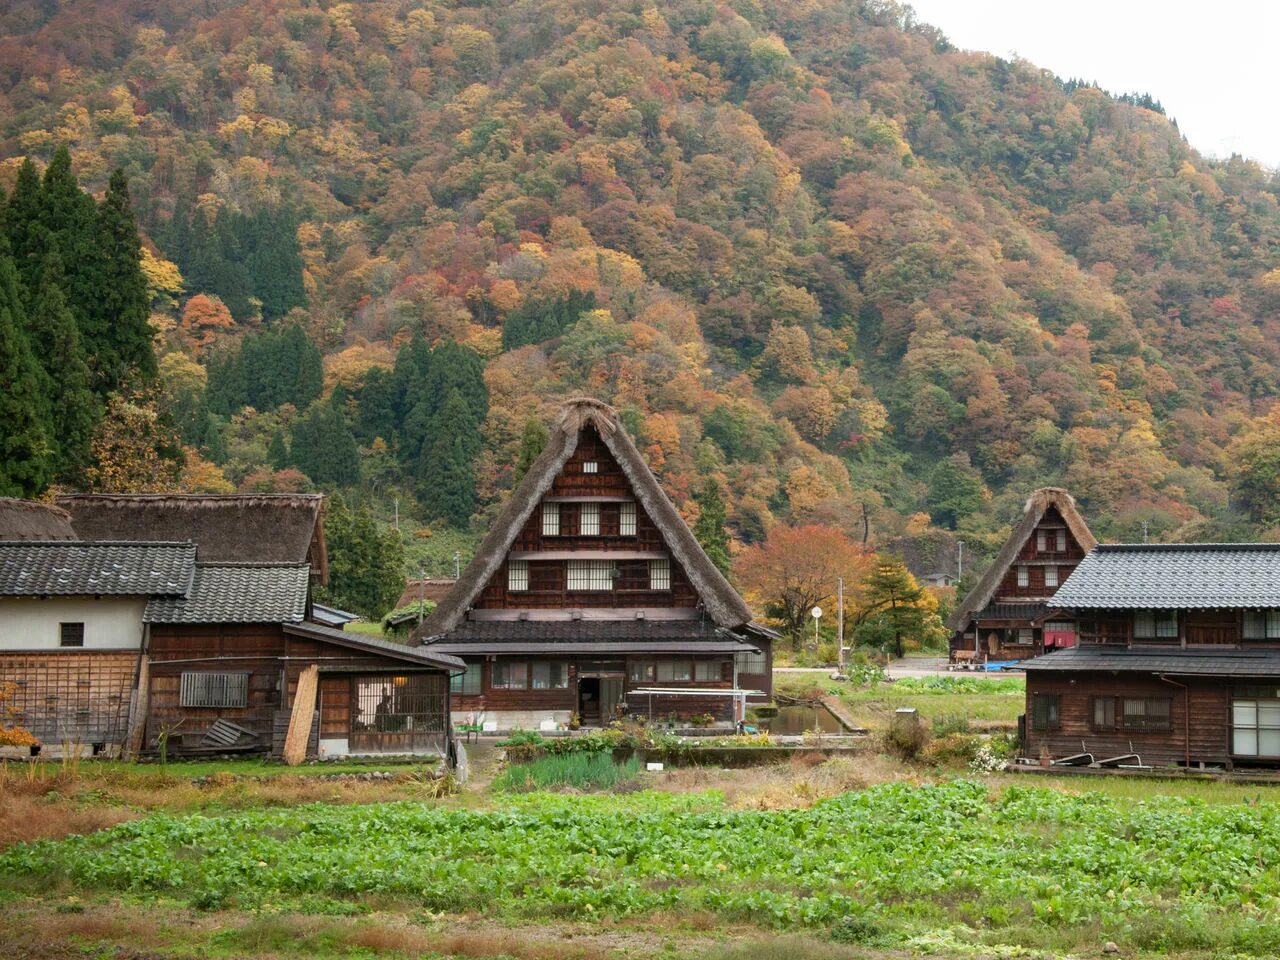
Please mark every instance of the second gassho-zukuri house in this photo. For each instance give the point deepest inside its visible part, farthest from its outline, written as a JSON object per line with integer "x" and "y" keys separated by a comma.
{"x": 1178, "y": 660}
{"x": 1003, "y": 616}
{"x": 591, "y": 597}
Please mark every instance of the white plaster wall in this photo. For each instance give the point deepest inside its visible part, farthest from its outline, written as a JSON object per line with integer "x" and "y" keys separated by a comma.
{"x": 333, "y": 748}
{"x": 110, "y": 623}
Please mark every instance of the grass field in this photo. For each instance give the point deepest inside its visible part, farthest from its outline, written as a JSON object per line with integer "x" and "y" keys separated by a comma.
{"x": 987, "y": 701}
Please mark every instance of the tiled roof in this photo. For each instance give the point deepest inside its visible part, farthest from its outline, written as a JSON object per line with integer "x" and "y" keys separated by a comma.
{"x": 1179, "y": 662}
{"x": 415, "y": 654}
{"x": 237, "y": 593}
{"x": 1184, "y": 575}
{"x": 71, "y": 568}
{"x": 1010, "y": 611}
{"x": 331, "y": 616}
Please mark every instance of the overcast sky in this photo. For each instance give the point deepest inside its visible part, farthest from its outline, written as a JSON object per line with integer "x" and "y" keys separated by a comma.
{"x": 1213, "y": 66}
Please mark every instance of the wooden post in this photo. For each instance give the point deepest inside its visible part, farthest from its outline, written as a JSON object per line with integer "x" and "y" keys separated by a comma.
{"x": 304, "y": 708}
{"x": 139, "y": 703}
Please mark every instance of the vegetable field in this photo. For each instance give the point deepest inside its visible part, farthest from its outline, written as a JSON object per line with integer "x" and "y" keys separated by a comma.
{"x": 896, "y": 865}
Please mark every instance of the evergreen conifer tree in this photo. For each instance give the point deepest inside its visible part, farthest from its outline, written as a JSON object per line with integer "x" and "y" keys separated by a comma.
{"x": 891, "y": 609}
{"x": 274, "y": 262}
{"x": 709, "y": 530}
{"x": 122, "y": 306}
{"x": 532, "y": 442}
{"x": 277, "y": 453}
{"x": 322, "y": 446}
{"x": 447, "y": 470}
{"x": 23, "y": 227}
{"x": 75, "y": 409}
{"x": 27, "y": 452}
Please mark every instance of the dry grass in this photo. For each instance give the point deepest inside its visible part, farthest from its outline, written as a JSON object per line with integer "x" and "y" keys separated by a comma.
{"x": 802, "y": 782}
{"x": 43, "y": 818}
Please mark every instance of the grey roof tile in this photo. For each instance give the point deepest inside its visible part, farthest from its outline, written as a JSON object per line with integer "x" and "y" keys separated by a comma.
{"x": 1218, "y": 663}
{"x": 412, "y": 653}
{"x": 1184, "y": 575}
{"x": 70, "y": 568}
{"x": 238, "y": 593}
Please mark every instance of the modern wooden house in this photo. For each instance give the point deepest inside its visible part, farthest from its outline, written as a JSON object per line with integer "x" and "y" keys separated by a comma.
{"x": 591, "y": 598}
{"x": 72, "y": 634}
{"x": 1002, "y": 617}
{"x": 234, "y": 665}
{"x": 1178, "y": 660}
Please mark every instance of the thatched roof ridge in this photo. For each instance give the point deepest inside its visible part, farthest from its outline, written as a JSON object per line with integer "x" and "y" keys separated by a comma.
{"x": 721, "y": 602}
{"x": 1036, "y": 506}
{"x": 31, "y": 520}
{"x": 260, "y": 527}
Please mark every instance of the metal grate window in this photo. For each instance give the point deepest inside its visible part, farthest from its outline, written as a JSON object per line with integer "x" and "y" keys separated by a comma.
{"x": 589, "y": 520}
{"x": 518, "y": 575}
{"x": 215, "y": 690}
{"x": 551, "y": 519}
{"x": 659, "y": 574}
{"x": 71, "y": 634}
{"x": 751, "y": 662}
{"x": 590, "y": 575}
{"x": 627, "y": 520}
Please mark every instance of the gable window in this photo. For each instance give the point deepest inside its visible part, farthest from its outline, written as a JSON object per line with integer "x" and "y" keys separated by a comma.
{"x": 590, "y": 466}
{"x": 1044, "y": 711}
{"x": 1024, "y": 577}
{"x": 673, "y": 671}
{"x": 660, "y": 574}
{"x": 518, "y": 575}
{"x": 467, "y": 684}
{"x": 205, "y": 689}
{"x": 71, "y": 634}
{"x": 1050, "y": 576}
{"x": 627, "y": 519}
{"x": 705, "y": 671}
{"x": 640, "y": 671}
{"x": 549, "y": 676}
{"x": 590, "y": 575}
{"x": 1041, "y": 540}
{"x": 551, "y": 519}
{"x": 1155, "y": 624}
{"x": 1262, "y": 625}
{"x": 750, "y": 662}
{"x": 509, "y": 675}
{"x": 589, "y": 520}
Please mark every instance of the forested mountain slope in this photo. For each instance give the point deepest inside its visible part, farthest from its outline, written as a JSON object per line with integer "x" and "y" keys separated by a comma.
{"x": 805, "y": 246}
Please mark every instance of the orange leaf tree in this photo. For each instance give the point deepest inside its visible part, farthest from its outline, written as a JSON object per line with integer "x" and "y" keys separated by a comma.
{"x": 12, "y": 735}
{"x": 796, "y": 568}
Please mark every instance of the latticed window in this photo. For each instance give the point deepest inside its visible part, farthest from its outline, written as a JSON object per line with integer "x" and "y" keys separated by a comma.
{"x": 518, "y": 575}
{"x": 659, "y": 574}
{"x": 1045, "y": 711}
{"x": 1262, "y": 625}
{"x": 201, "y": 689}
{"x": 590, "y": 466}
{"x": 753, "y": 662}
{"x": 1155, "y": 625}
{"x": 71, "y": 634}
{"x": 589, "y": 520}
{"x": 627, "y": 520}
{"x": 1147, "y": 713}
{"x": 705, "y": 671}
{"x": 590, "y": 575}
{"x": 1050, "y": 576}
{"x": 467, "y": 684}
{"x": 1024, "y": 577}
{"x": 551, "y": 519}
{"x": 673, "y": 671}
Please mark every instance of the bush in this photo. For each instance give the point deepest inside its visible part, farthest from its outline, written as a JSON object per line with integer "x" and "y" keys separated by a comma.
{"x": 906, "y": 737}
{"x": 860, "y": 930}
{"x": 952, "y": 748}
{"x": 584, "y": 771}
{"x": 949, "y": 723}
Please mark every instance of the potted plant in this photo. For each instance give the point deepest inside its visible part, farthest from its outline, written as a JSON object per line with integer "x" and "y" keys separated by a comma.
{"x": 575, "y": 721}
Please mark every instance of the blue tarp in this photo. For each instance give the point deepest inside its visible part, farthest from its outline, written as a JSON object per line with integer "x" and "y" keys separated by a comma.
{"x": 997, "y": 665}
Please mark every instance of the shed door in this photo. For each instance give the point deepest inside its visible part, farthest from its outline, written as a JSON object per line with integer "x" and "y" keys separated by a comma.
{"x": 399, "y": 714}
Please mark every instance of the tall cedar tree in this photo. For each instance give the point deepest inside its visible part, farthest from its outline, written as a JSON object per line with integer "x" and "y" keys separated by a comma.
{"x": 27, "y": 236}
{"x": 266, "y": 370}
{"x": 891, "y": 610}
{"x": 27, "y": 451}
{"x": 447, "y": 471}
{"x": 322, "y": 446}
{"x": 532, "y": 442}
{"x": 366, "y": 565}
{"x": 76, "y": 409}
{"x": 122, "y": 305}
{"x": 274, "y": 262}
{"x": 709, "y": 530}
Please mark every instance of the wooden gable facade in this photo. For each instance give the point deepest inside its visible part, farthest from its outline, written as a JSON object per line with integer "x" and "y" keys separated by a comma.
{"x": 1004, "y": 616}
{"x": 591, "y": 600}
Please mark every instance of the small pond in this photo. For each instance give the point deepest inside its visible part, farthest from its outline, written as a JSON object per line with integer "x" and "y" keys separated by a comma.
{"x": 796, "y": 720}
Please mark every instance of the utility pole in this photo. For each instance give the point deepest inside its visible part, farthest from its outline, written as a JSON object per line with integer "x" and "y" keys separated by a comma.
{"x": 840, "y": 624}
{"x": 959, "y": 560}
{"x": 422, "y": 592}
{"x": 457, "y": 565}
{"x": 1144, "y": 531}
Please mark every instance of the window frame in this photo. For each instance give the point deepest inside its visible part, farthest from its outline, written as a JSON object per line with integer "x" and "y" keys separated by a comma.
{"x": 660, "y": 574}
{"x": 550, "y": 518}
{"x": 1265, "y": 625}
{"x": 627, "y": 520}
{"x": 703, "y": 667}
{"x": 233, "y": 685}
{"x": 589, "y": 519}
{"x": 517, "y": 576}
{"x": 1024, "y": 575}
{"x": 1150, "y": 722}
{"x": 559, "y": 682}
{"x": 744, "y": 658}
{"x": 1162, "y": 621}
{"x": 71, "y": 634}
{"x": 1109, "y": 721}
{"x": 1052, "y": 719}
{"x": 673, "y": 665}
{"x": 1055, "y": 576}
{"x": 641, "y": 671}
{"x": 509, "y": 681}
{"x": 469, "y": 683}
{"x": 590, "y": 466}
{"x": 597, "y": 575}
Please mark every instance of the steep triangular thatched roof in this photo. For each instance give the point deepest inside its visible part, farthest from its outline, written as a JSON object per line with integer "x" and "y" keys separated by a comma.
{"x": 1037, "y": 505}
{"x": 253, "y": 528}
{"x": 721, "y": 602}
{"x": 29, "y": 520}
